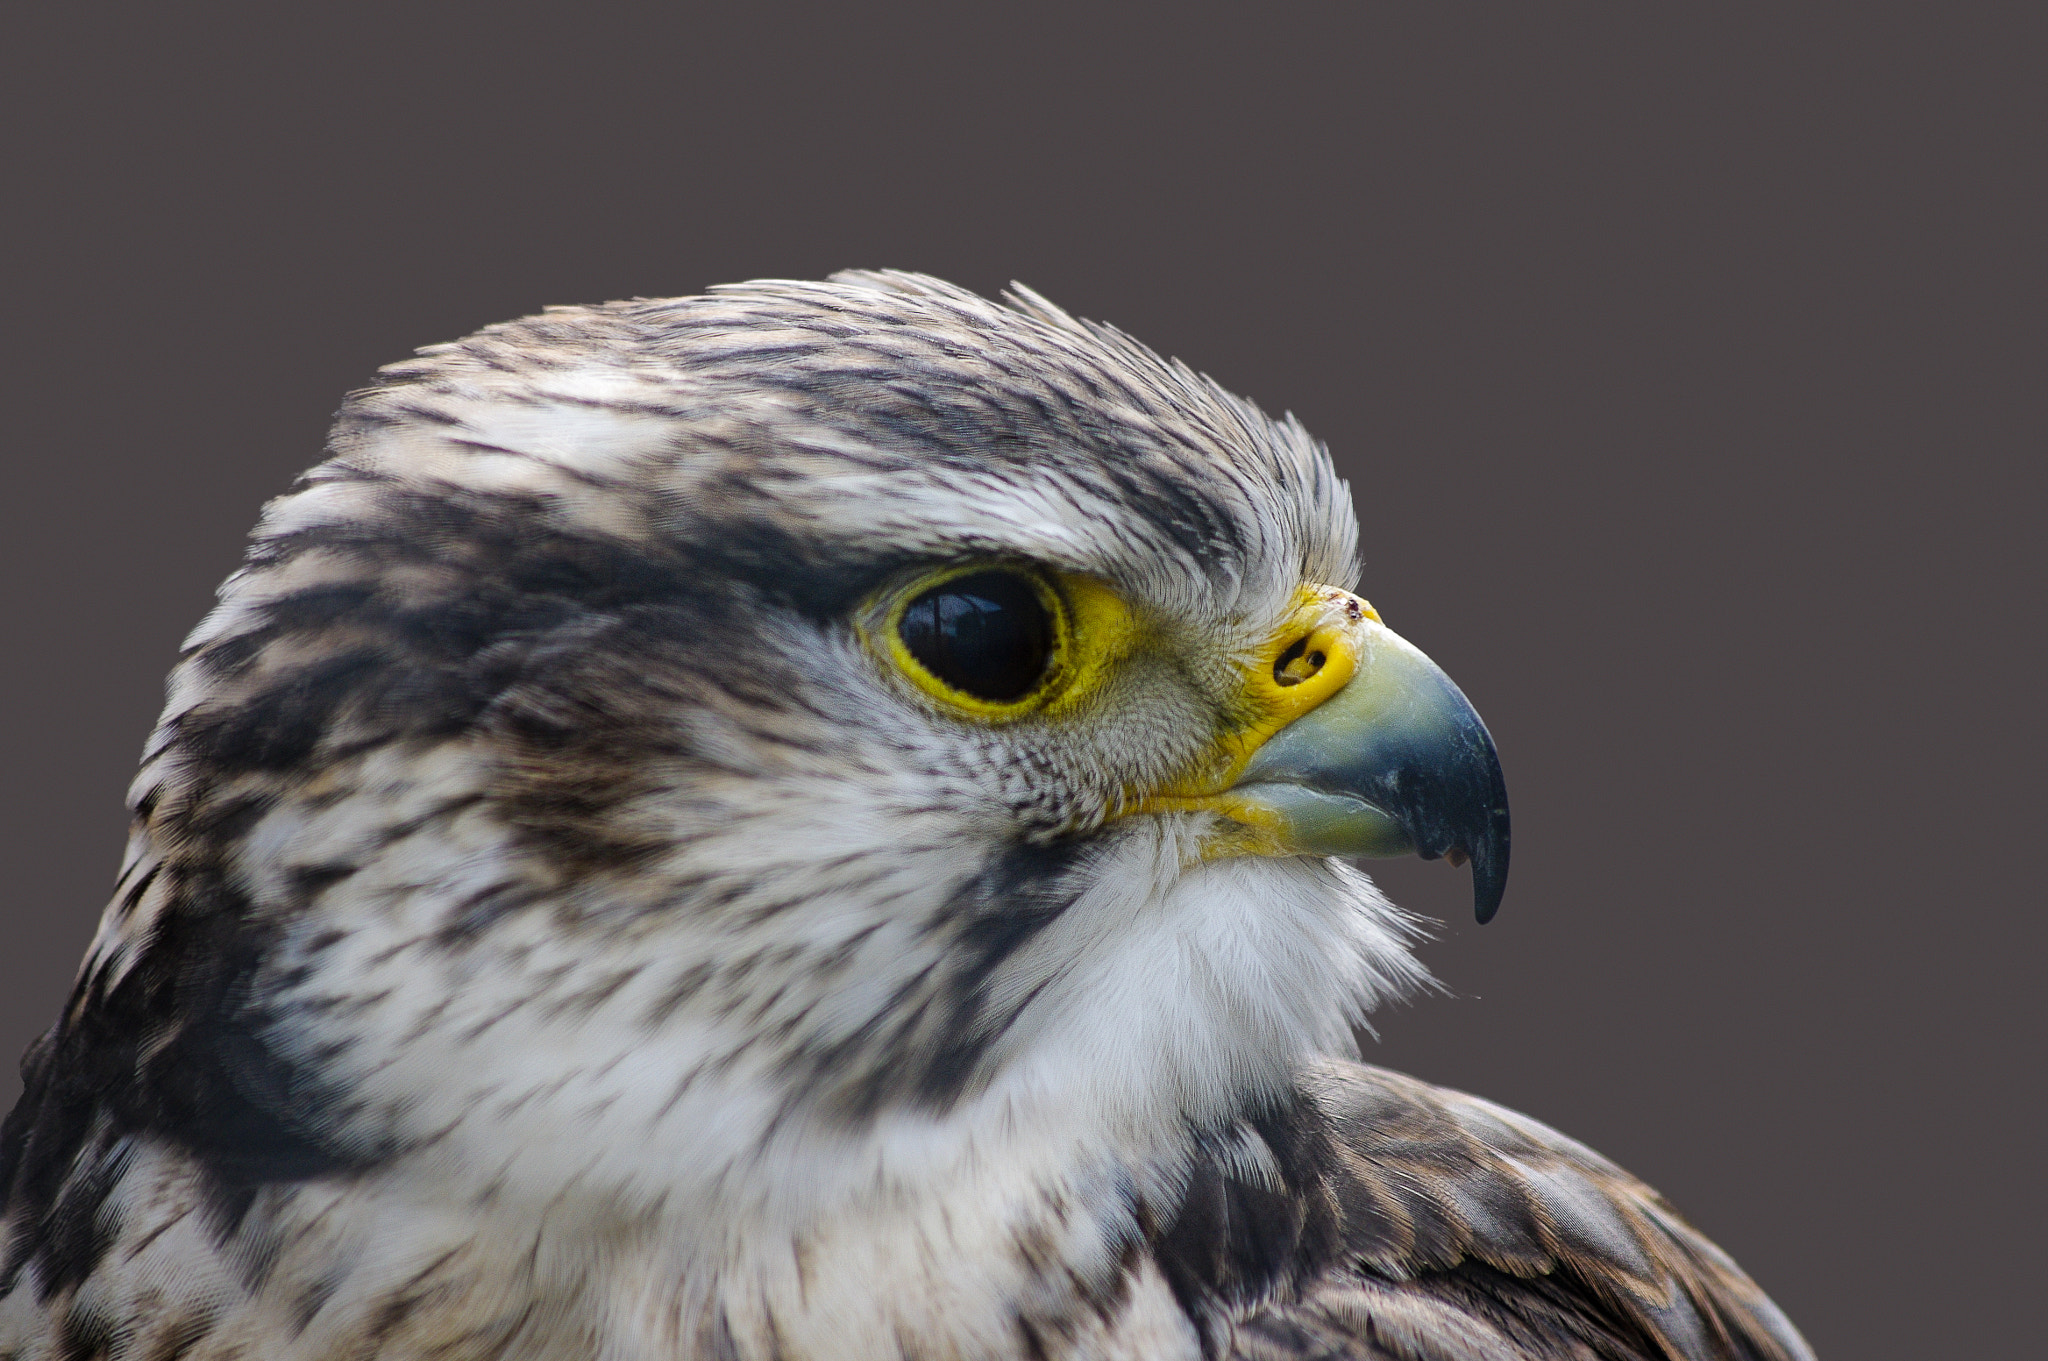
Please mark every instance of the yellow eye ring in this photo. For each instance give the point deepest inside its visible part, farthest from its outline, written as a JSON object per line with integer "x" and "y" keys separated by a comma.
{"x": 1007, "y": 632}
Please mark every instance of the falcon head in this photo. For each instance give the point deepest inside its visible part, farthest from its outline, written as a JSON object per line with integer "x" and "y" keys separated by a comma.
{"x": 743, "y": 751}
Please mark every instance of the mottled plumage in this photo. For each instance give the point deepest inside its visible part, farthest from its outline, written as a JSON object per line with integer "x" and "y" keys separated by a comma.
{"x": 551, "y": 929}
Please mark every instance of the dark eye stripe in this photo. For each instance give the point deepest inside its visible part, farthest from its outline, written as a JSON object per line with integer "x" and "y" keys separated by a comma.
{"x": 987, "y": 635}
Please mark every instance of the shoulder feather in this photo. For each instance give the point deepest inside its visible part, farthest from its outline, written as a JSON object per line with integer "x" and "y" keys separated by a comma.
{"x": 1427, "y": 1225}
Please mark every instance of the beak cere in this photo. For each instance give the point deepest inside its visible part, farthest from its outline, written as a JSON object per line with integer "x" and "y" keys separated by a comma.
{"x": 1396, "y": 762}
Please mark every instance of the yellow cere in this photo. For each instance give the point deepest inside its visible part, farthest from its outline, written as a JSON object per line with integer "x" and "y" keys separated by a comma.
{"x": 1310, "y": 657}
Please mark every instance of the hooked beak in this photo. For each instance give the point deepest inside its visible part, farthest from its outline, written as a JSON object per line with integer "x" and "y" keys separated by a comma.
{"x": 1395, "y": 763}
{"x": 1391, "y": 760}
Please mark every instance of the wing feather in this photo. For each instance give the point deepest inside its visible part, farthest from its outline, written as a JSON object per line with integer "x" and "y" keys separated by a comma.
{"x": 1458, "y": 1230}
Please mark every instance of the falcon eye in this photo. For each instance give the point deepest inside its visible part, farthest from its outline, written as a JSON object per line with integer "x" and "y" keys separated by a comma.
{"x": 988, "y": 635}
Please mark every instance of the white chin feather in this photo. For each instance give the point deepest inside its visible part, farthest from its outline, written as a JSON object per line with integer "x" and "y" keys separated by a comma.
{"x": 1172, "y": 991}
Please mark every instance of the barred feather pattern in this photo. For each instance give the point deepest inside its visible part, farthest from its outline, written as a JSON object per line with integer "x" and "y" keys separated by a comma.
{"x": 1429, "y": 1225}
{"x": 547, "y": 932}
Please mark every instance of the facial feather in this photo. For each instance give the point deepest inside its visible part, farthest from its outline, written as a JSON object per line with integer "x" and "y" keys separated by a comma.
{"x": 529, "y": 840}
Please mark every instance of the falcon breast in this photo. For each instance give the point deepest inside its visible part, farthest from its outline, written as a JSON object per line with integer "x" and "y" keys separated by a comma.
{"x": 809, "y": 821}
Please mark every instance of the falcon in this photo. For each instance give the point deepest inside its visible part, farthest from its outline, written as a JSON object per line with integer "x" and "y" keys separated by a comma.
{"x": 811, "y": 821}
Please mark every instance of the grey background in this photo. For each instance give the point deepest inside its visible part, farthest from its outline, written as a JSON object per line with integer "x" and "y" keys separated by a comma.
{"x": 1685, "y": 362}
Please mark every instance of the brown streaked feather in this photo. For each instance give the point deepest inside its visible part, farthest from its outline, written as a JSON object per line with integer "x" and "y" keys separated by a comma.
{"x": 1467, "y": 1232}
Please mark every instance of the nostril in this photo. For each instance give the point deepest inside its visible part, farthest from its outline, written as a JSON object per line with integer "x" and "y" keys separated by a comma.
{"x": 1296, "y": 664}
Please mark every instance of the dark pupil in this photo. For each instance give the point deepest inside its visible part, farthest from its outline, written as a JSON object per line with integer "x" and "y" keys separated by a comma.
{"x": 986, "y": 634}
